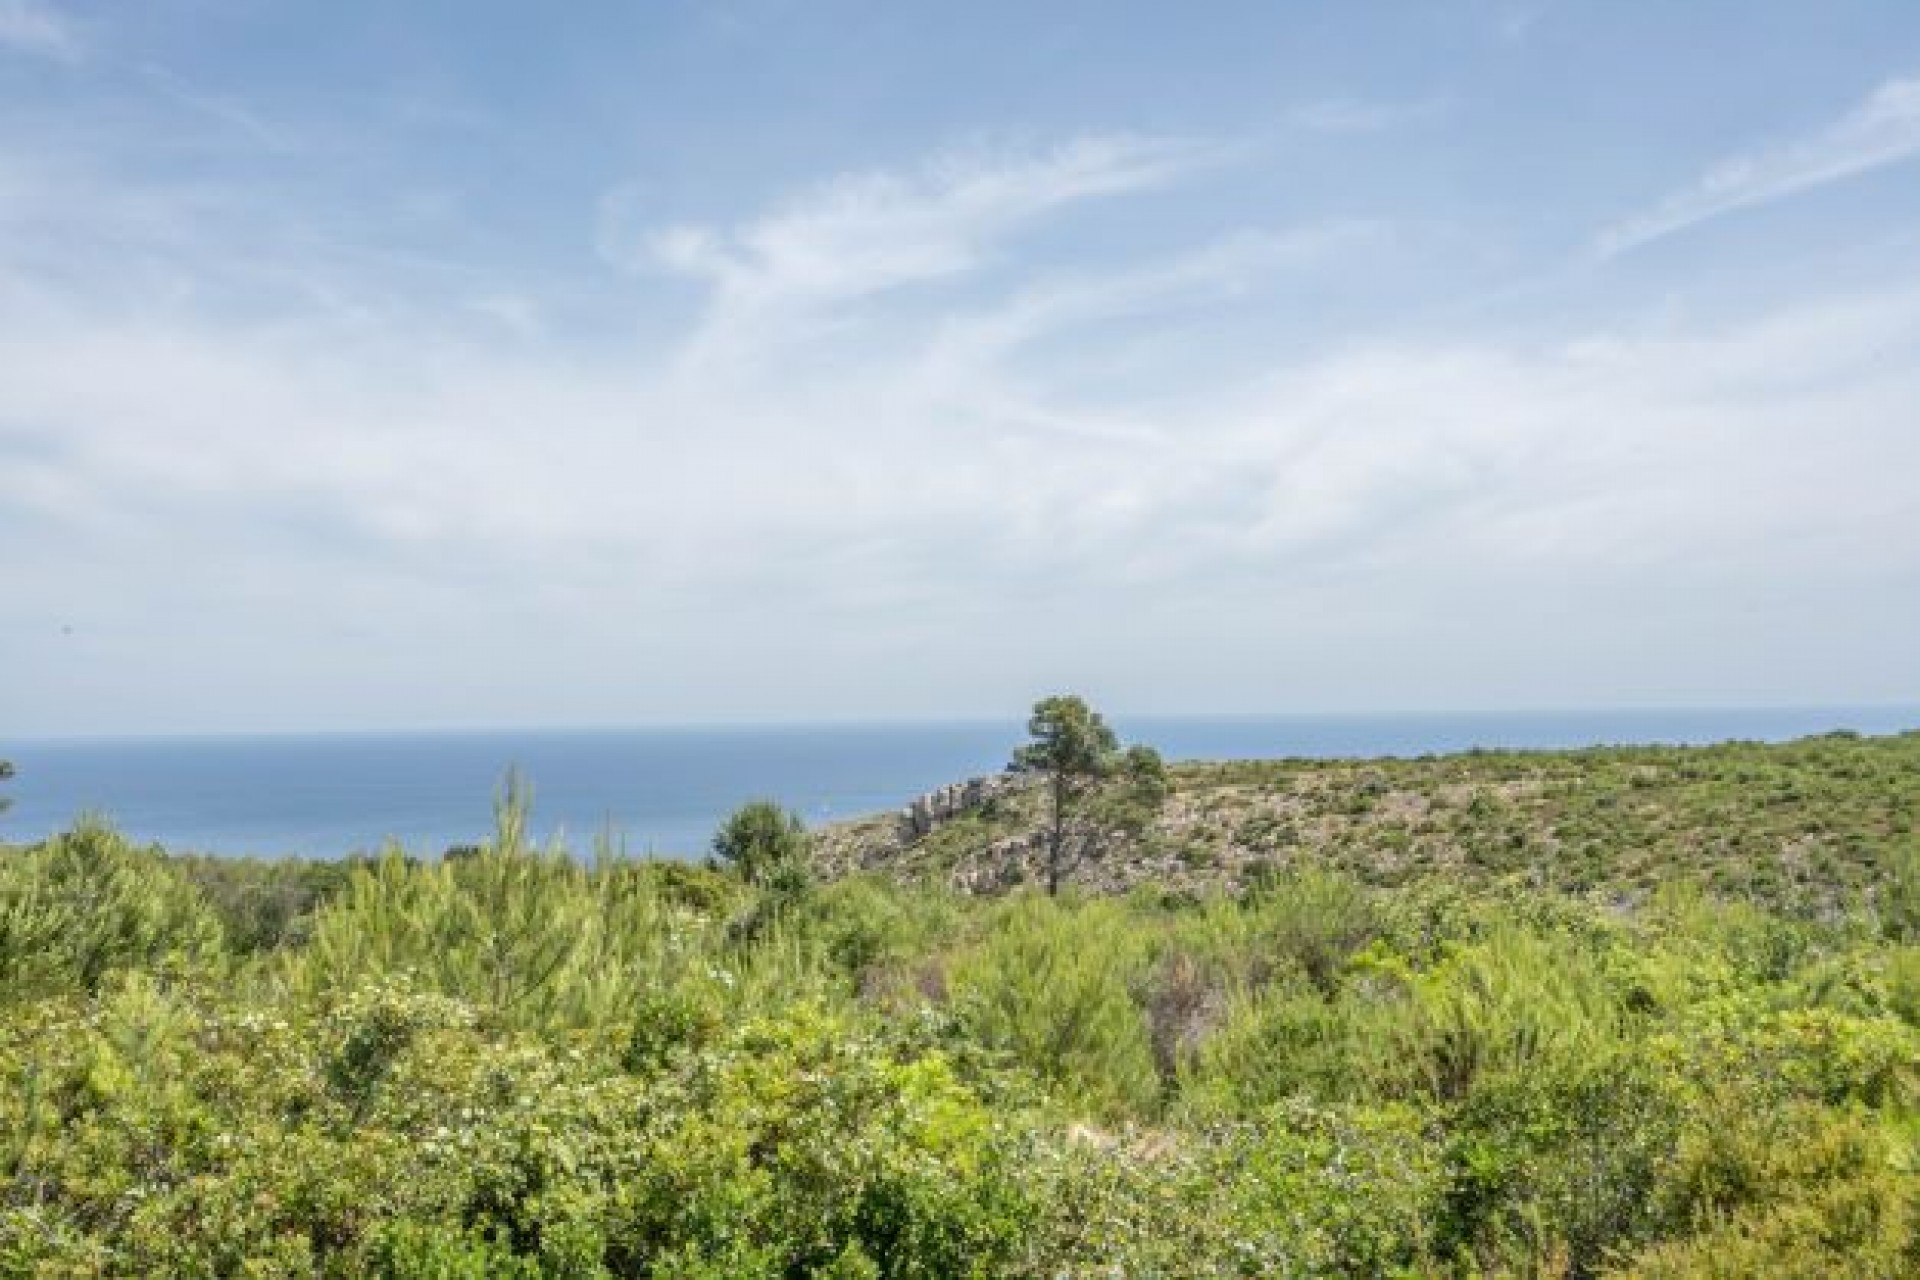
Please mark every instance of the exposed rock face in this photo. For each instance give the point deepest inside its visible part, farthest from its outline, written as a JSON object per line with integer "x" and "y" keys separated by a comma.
{"x": 1015, "y": 860}
{"x": 927, "y": 813}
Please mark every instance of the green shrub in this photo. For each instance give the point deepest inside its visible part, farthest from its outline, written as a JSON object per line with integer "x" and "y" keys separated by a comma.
{"x": 1288, "y": 1040}
{"x": 1053, "y": 986}
{"x": 86, "y": 904}
{"x": 1514, "y": 1001}
{"x": 1383, "y": 1063}
{"x": 761, "y": 842}
{"x": 1794, "y": 1191}
{"x": 1558, "y": 1164}
{"x": 262, "y": 906}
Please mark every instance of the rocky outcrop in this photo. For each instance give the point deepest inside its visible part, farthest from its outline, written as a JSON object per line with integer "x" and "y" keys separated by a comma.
{"x": 928, "y": 813}
{"x": 1002, "y": 865}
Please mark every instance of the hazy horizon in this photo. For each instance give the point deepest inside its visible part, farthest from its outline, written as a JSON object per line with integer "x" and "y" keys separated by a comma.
{"x": 1887, "y": 715}
{"x": 367, "y": 369}
{"x": 669, "y": 787}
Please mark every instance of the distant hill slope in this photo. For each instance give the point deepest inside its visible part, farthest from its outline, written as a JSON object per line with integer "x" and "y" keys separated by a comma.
{"x": 1806, "y": 825}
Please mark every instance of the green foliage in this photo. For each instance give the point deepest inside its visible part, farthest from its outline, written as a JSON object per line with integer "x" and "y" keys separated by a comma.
{"x": 1295, "y": 1190}
{"x": 1069, "y": 740}
{"x": 1313, "y": 920}
{"x": 516, "y": 1063}
{"x": 532, "y": 939}
{"x": 1559, "y": 1162}
{"x": 1094, "y": 789}
{"x": 1810, "y": 829}
{"x": 1798, "y": 1191}
{"x": 1287, "y": 1040}
{"x": 86, "y": 903}
{"x": 1052, "y": 986}
{"x": 506, "y": 930}
{"x": 1900, "y": 905}
{"x": 262, "y": 906}
{"x": 1516, "y": 1001}
{"x": 764, "y": 843}
{"x": 805, "y": 1146}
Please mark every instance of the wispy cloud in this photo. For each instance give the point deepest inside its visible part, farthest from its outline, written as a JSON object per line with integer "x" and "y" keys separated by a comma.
{"x": 29, "y": 26}
{"x": 861, "y": 234}
{"x": 1353, "y": 115}
{"x": 225, "y": 111}
{"x": 1233, "y": 265}
{"x": 244, "y": 452}
{"x": 844, "y": 248}
{"x": 1883, "y": 130}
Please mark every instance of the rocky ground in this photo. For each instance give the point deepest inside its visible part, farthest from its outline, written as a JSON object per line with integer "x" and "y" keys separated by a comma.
{"x": 1803, "y": 824}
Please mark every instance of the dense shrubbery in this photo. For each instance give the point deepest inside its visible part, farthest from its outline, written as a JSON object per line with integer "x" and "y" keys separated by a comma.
{"x": 513, "y": 1063}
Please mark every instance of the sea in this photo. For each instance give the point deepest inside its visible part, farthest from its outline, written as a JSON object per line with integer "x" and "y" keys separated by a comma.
{"x": 662, "y": 791}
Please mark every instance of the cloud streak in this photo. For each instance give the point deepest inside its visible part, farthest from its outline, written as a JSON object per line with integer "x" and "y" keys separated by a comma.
{"x": 862, "y": 234}
{"x": 1883, "y": 130}
{"x": 882, "y": 439}
{"x": 443, "y": 494}
{"x": 31, "y": 27}
{"x": 1353, "y": 115}
{"x": 228, "y": 113}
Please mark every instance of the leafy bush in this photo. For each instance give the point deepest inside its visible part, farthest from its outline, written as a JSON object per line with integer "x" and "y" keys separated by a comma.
{"x": 85, "y": 904}
{"x": 761, "y": 841}
{"x": 1053, "y": 986}
{"x": 515, "y": 1063}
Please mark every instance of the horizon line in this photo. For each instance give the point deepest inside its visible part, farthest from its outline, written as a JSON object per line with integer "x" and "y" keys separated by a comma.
{"x": 854, "y": 723}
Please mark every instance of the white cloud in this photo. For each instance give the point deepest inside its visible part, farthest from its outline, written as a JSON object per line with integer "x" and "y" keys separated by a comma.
{"x": 794, "y": 275}
{"x": 244, "y": 480}
{"x": 1883, "y": 130}
{"x": 966, "y": 346}
{"x": 29, "y": 26}
{"x": 861, "y": 234}
{"x": 1352, "y": 115}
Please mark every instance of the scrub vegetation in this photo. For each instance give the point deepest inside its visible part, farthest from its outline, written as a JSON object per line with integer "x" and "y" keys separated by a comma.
{"x": 1645, "y": 1013}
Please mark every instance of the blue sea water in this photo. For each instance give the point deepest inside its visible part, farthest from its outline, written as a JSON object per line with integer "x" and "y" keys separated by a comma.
{"x": 664, "y": 790}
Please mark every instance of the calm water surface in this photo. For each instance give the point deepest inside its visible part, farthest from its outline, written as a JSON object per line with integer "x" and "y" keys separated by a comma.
{"x": 663, "y": 790}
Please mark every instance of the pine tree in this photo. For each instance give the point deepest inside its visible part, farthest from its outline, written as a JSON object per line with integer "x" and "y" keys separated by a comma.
{"x": 1095, "y": 790}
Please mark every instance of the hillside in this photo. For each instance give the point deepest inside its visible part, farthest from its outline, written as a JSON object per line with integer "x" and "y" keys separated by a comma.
{"x": 1803, "y": 826}
{"x": 1429, "y": 1060}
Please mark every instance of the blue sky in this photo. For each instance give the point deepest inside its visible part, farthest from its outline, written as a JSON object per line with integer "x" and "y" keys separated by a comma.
{"x": 371, "y": 365}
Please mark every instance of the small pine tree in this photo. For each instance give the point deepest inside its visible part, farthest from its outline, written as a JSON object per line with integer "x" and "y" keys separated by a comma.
{"x": 1095, "y": 790}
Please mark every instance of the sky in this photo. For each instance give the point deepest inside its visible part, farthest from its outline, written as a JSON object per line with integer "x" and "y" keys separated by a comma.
{"x": 462, "y": 364}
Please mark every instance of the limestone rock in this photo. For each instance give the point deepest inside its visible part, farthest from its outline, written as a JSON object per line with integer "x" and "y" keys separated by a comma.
{"x": 926, "y": 814}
